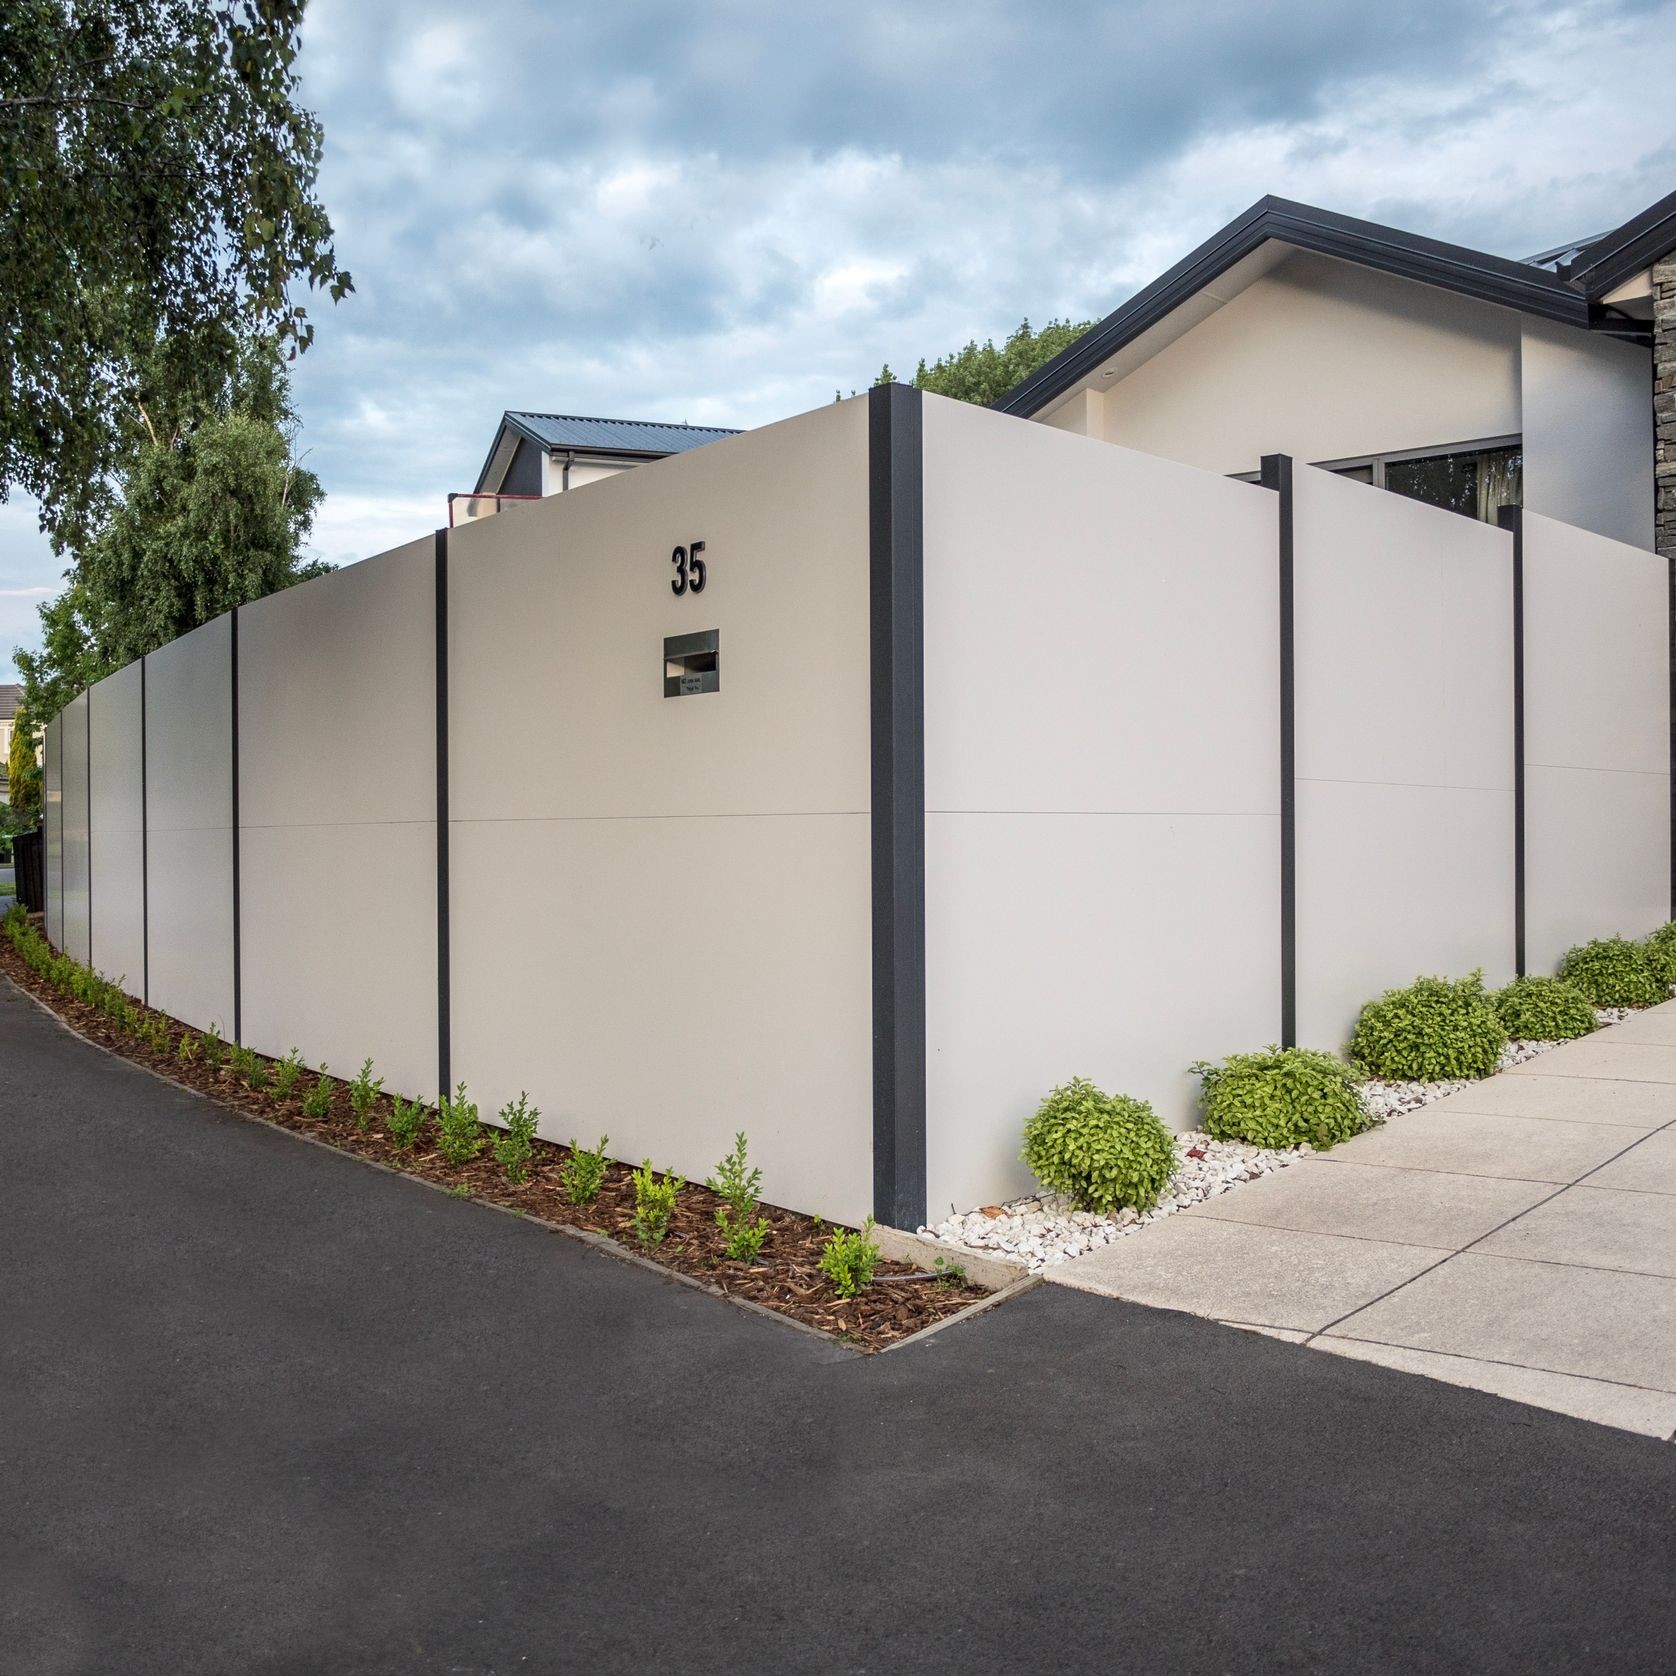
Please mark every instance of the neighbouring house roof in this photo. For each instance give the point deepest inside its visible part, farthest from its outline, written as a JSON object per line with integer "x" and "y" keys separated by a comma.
{"x": 632, "y": 439}
{"x": 1566, "y": 293}
{"x": 11, "y": 696}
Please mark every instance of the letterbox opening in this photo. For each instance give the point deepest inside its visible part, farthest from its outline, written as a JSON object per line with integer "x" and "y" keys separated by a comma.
{"x": 691, "y": 664}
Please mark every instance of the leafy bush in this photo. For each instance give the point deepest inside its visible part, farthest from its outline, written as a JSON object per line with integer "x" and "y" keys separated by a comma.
{"x": 1543, "y": 1010}
{"x": 1282, "y": 1097}
{"x": 318, "y": 1101}
{"x": 1102, "y": 1151}
{"x": 848, "y": 1259}
{"x": 191, "y": 1047}
{"x": 583, "y": 1173}
{"x": 248, "y": 1068}
{"x": 1661, "y": 953}
{"x": 363, "y": 1094}
{"x": 213, "y": 1048}
{"x": 1614, "y": 972}
{"x": 654, "y": 1203}
{"x": 459, "y": 1133}
{"x": 742, "y": 1229}
{"x": 406, "y": 1121}
{"x": 1431, "y": 1031}
{"x": 513, "y": 1149}
{"x": 286, "y": 1073}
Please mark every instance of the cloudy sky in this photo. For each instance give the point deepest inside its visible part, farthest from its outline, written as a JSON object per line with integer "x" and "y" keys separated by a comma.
{"x": 722, "y": 213}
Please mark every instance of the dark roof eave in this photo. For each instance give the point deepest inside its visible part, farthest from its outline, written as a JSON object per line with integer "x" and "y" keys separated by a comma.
{"x": 1626, "y": 250}
{"x": 1472, "y": 273}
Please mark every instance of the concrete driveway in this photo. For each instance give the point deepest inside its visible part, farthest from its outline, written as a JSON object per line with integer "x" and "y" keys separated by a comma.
{"x": 266, "y": 1410}
{"x": 1518, "y": 1237}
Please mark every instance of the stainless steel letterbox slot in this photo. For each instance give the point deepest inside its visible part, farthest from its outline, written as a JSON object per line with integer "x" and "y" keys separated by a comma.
{"x": 691, "y": 663}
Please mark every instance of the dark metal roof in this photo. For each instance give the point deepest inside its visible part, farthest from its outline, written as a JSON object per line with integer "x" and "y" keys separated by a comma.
{"x": 1562, "y": 255}
{"x": 611, "y": 436}
{"x": 1608, "y": 261}
{"x": 11, "y": 696}
{"x": 630, "y": 439}
{"x": 1472, "y": 273}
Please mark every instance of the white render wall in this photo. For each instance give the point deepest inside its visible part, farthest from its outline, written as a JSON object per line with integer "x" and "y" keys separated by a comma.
{"x": 73, "y": 808}
{"x": 1597, "y": 740}
{"x": 660, "y": 906}
{"x": 1323, "y": 360}
{"x": 52, "y": 820}
{"x": 1403, "y": 693}
{"x": 1588, "y": 431}
{"x": 337, "y": 819}
{"x": 189, "y": 815}
{"x": 117, "y": 821}
{"x": 1101, "y": 784}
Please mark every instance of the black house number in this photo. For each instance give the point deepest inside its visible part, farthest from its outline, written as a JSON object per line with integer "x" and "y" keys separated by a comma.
{"x": 690, "y": 570}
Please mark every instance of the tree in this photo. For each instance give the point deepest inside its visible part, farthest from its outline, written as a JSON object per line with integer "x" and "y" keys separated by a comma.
{"x": 209, "y": 513}
{"x": 23, "y": 776}
{"x": 982, "y": 373}
{"x": 159, "y": 190}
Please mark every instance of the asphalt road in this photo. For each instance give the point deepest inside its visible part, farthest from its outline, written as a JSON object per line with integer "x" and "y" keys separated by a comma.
{"x": 265, "y": 1410}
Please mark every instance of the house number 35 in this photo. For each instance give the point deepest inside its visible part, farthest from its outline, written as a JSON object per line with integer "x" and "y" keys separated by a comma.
{"x": 690, "y": 569}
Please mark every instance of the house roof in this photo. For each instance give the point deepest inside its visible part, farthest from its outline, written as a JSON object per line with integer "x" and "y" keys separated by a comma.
{"x": 11, "y": 696}
{"x": 1606, "y": 262}
{"x": 635, "y": 439}
{"x": 1532, "y": 287}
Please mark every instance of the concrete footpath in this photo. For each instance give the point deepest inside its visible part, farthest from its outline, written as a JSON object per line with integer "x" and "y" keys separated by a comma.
{"x": 266, "y": 1410}
{"x": 1517, "y": 1237}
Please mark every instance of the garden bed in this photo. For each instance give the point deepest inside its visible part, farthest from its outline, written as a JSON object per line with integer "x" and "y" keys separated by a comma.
{"x": 787, "y": 1279}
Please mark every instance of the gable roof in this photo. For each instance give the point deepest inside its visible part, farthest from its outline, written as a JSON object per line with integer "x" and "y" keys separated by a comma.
{"x": 1606, "y": 262}
{"x": 11, "y": 696}
{"x": 1526, "y": 286}
{"x": 633, "y": 439}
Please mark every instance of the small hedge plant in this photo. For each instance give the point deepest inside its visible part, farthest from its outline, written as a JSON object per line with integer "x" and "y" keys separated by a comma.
{"x": 1101, "y": 1151}
{"x": 1543, "y": 1010}
{"x": 1661, "y": 953}
{"x": 1282, "y": 1097}
{"x": 1429, "y": 1032}
{"x": 1614, "y": 972}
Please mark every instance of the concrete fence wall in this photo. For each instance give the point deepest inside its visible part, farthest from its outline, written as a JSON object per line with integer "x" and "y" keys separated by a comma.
{"x": 668, "y": 919}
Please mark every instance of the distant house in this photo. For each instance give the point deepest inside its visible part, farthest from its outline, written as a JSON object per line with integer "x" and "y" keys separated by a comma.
{"x": 11, "y": 696}
{"x": 1443, "y": 373}
{"x": 537, "y": 454}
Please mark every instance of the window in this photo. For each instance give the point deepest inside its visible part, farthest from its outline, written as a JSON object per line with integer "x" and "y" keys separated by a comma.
{"x": 1476, "y": 481}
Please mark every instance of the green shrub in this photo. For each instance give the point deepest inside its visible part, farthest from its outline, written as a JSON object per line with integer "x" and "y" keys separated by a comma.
{"x": 1431, "y": 1031}
{"x": 318, "y": 1101}
{"x": 286, "y": 1073}
{"x": 1614, "y": 972}
{"x": 363, "y": 1094}
{"x": 406, "y": 1121}
{"x": 1543, "y": 1010}
{"x": 191, "y": 1047}
{"x": 848, "y": 1259}
{"x": 459, "y": 1133}
{"x": 1661, "y": 953}
{"x": 214, "y": 1049}
{"x": 248, "y": 1068}
{"x": 583, "y": 1172}
{"x": 513, "y": 1149}
{"x": 1102, "y": 1151}
{"x": 743, "y": 1230}
{"x": 1282, "y": 1097}
{"x": 654, "y": 1203}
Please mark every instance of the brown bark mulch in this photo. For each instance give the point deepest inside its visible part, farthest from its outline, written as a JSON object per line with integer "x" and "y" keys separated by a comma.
{"x": 787, "y": 1278}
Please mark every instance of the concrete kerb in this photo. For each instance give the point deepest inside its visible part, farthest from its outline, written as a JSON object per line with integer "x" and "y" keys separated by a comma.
{"x": 585, "y": 1236}
{"x": 993, "y": 1274}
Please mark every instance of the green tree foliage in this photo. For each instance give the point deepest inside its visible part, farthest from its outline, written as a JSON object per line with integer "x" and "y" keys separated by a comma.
{"x": 982, "y": 373}
{"x": 23, "y": 777}
{"x": 159, "y": 188}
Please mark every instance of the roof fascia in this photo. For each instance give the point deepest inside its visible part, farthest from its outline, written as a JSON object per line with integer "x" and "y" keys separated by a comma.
{"x": 1626, "y": 250}
{"x": 1472, "y": 273}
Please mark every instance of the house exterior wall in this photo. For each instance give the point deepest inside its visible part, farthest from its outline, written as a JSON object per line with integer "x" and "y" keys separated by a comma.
{"x": 1588, "y": 431}
{"x": 1322, "y": 360}
{"x": 337, "y": 818}
{"x": 1597, "y": 740}
{"x": 116, "y": 818}
{"x": 660, "y": 906}
{"x": 1102, "y": 780}
{"x": 189, "y": 818}
{"x": 1403, "y": 698}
